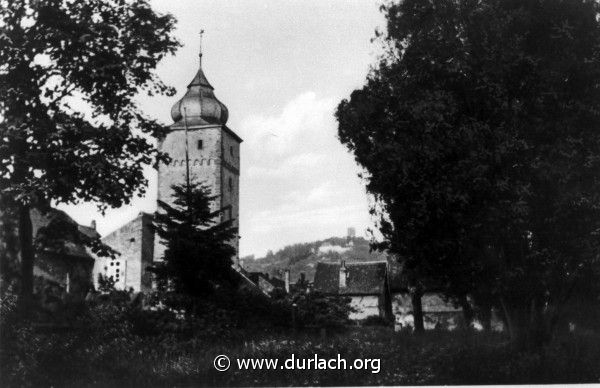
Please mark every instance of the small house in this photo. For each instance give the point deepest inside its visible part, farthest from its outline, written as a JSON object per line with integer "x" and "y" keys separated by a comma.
{"x": 438, "y": 311}
{"x": 365, "y": 283}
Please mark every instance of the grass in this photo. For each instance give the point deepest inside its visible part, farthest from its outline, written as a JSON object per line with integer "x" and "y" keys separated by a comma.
{"x": 65, "y": 360}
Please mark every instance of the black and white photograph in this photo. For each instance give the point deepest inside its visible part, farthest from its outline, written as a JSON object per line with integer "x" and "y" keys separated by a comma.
{"x": 266, "y": 193}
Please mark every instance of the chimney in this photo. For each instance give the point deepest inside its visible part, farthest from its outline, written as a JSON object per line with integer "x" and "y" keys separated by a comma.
{"x": 343, "y": 274}
{"x": 302, "y": 277}
{"x": 286, "y": 278}
{"x": 93, "y": 224}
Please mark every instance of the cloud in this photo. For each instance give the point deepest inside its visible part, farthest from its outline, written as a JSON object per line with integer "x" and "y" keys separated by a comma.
{"x": 298, "y": 183}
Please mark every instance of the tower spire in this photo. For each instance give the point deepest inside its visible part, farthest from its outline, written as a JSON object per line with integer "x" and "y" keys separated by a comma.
{"x": 200, "y": 51}
{"x": 202, "y": 105}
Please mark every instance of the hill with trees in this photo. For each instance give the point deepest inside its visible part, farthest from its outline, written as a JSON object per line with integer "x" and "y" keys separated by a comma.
{"x": 303, "y": 257}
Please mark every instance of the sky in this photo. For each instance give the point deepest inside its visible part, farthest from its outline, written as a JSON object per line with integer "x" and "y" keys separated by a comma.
{"x": 281, "y": 68}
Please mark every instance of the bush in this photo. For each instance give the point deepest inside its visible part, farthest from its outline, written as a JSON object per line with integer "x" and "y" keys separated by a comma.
{"x": 314, "y": 309}
{"x": 111, "y": 354}
{"x": 376, "y": 320}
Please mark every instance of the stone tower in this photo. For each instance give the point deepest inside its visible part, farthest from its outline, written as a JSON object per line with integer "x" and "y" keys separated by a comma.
{"x": 213, "y": 150}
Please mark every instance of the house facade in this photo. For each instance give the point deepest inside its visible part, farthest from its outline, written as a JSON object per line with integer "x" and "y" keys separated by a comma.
{"x": 365, "y": 283}
{"x": 438, "y": 312}
{"x": 63, "y": 264}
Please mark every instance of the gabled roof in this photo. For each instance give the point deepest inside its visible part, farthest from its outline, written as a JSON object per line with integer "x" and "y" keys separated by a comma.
{"x": 400, "y": 282}
{"x": 245, "y": 277}
{"x": 270, "y": 282}
{"x": 365, "y": 278}
{"x": 66, "y": 237}
{"x": 398, "y": 277}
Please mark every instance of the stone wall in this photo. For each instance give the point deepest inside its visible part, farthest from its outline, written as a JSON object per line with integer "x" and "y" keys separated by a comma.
{"x": 365, "y": 306}
{"x": 204, "y": 152}
{"x": 437, "y": 313}
{"x": 231, "y": 183}
{"x": 134, "y": 243}
{"x": 204, "y": 162}
{"x": 63, "y": 271}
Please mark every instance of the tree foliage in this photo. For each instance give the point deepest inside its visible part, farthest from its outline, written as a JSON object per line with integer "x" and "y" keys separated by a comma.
{"x": 198, "y": 255}
{"x": 478, "y": 131}
{"x": 70, "y": 127}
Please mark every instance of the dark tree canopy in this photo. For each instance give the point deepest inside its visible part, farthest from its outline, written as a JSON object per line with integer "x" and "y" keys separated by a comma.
{"x": 103, "y": 52}
{"x": 198, "y": 255}
{"x": 479, "y": 131}
{"x": 95, "y": 56}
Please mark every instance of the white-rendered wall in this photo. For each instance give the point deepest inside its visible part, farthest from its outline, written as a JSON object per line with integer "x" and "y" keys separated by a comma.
{"x": 365, "y": 306}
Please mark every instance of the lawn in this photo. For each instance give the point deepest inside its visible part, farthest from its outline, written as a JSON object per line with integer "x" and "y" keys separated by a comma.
{"x": 114, "y": 359}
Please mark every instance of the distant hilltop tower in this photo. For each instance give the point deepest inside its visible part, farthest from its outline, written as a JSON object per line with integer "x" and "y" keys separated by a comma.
{"x": 351, "y": 232}
{"x": 213, "y": 149}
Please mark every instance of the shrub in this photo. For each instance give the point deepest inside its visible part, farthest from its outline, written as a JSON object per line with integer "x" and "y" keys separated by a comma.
{"x": 376, "y": 320}
{"x": 316, "y": 309}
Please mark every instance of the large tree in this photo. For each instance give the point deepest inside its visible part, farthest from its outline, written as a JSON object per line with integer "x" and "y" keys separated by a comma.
{"x": 70, "y": 127}
{"x": 479, "y": 133}
{"x": 198, "y": 254}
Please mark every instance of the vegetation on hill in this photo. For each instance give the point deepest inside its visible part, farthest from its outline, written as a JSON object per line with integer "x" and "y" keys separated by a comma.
{"x": 303, "y": 257}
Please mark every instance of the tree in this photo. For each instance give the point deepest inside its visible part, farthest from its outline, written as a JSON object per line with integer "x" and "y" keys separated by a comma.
{"x": 198, "y": 255}
{"x": 316, "y": 309}
{"x": 478, "y": 131}
{"x": 57, "y": 55}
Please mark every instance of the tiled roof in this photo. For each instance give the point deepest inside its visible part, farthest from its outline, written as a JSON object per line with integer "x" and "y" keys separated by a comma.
{"x": 65, "y": 235}
{"x": 275, "y": 282}
{"x": 398, "y": 277}
{"x": 367, "y": 278}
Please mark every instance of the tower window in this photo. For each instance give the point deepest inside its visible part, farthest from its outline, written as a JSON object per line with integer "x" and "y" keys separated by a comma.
{"x": 231, "y": 150}
{"x": 200, "y": 144}
{"x": 230, "y": 184}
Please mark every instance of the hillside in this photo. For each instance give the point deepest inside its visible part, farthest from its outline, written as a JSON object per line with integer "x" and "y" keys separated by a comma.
{"x": 303, "y": 257}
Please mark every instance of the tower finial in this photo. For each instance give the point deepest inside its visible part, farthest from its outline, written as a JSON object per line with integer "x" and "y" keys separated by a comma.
{"x": 200, "y": 54}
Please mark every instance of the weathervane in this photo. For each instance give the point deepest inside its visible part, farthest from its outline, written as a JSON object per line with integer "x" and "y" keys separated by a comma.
{"x": 201, "y": 33}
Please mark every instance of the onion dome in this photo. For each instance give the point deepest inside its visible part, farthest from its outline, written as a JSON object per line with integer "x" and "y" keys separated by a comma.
{"x": 199, "y": 104}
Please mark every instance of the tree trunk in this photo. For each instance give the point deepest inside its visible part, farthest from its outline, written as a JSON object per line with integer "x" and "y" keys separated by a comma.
{"x": 467, "y": 310}
{"x": 417, "y": 311}
{"x": 517, "y": 319}
{"x": 485, "y": 313}
{"x": 27, "y": 254}
{"x": 526, "y": 324}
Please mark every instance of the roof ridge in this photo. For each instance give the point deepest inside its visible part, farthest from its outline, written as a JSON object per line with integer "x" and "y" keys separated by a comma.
{"x": 366, "y": 262}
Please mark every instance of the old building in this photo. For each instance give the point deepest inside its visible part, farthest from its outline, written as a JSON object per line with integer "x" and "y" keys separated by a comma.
{"x": 379, "y": 288}
{"x": 135, "y": 243}
{"x": 438, "y": 312}
{"x": 268, "y": 284}
{"x": 365, "y": 283}
{"x": 199, "y": 134}
{"x": 62, "y": 261}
